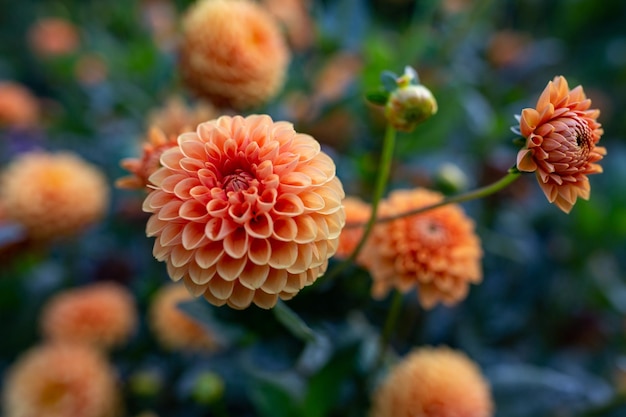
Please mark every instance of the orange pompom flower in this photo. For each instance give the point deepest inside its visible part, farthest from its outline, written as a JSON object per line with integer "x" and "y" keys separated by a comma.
{"x": 102, "y": 315}
{"x": 437, "y": 250}
{"x": 53, "y": 36}
{"x": 174, "y": 329}
{"x": 165, "y": 126}
{"x": 233, "y": 52}
{"x": 561, "y": 136}
{"x": 357, "y": 214}
{"x": 61, "y": 380}
{"x": 53, "y": 195}
{"x": 18, "y": 106}
{"x": 434, "y": 382}
{"x": 245, "y": 210}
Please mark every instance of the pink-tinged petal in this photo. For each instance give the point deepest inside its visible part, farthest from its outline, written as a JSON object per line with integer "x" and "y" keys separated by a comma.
{"x": 275, "y": 281}
{"x": 529, "y": 121}
{"x": 168, "y": 184}
{"x": 260, "y": 251}
{"x": 155, "y": 226}
{"x": 218, "y": 228}
{"x": 183, "y": 188}
{"x": 190, "y": 147}
{"x": 525, "y": 161}
{"x": 221, "y": 289}
{"x": 237, "y": 244}
{"x": 307, "y": 229}
{"x": 155, "y": 200}
{"x": 206, "y": 256}
{"x": 284, "y": 254}
{"x": 158, "y": 176}
{"x": 171, "y": 158}
{"x": 253, "y": 276}
{"x": 304, "y": 259}
{"x": 241, "y": 297}
{"x": 208, "y": 295}
{"x": 230, "y": 268}
{"x": 195, "y": 289}
{"x": 332, "y": 200}
{"x": 200, "y": 275}
{"x": 191, "y": 165}
{"x": 180, "y": 256}
{"x": 217, "y": 208}
{"x": 312, "y": 201}
{"x": 285, "y": 229}
{"x": 260, "y": 227}
{"x": 193, "y": 210}
{"x": 288, "y": 205}
{"x": 175, "y": 273}
{"x": 193, "y": 236}
{"x": 171, "y": 234}
{"x": 294, "y": 182}
{"x": 161, "y": 253}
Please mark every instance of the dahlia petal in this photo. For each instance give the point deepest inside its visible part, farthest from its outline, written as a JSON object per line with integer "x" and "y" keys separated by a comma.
{"x": 220, "y": 288}
{"x": 175, "y": 273}
{"x": 217, "y": 208}
{"x": 207, "y": 255}
{"x": 180, "y": 256}
{"x": 241, "y": 297}
{"x": 284, "y": 254}
{"x": 218, "y": 228}
{"x": 530, "y": 120}
{"x": 190, "y": 147}
{"x": 285, "y": 229}
{"x": 304, "y": 260}
{"x": 193, "y": 236}
{"x": 194, "y": 289}
{"x": 332, "y": 200}
{"x": 199, "y": 275}
{"x": 322, "y": 226}
{"x": 193, "y": 210}
{"x": 316, "y": 175}
{"x": 171, "y": 181}
{"x": 260, "y": 227}
{"x": 264, "y": 300}
{"x": 260, "y": 251}
{"x": 549, "y": 190}
{"x": 295, "y": 282}
{"x": 335, "y": 224}
{"x": 160, "y": 252}
{"x": 294, "y": 182}
{"x": 183, "y": 188}
{"x": 253, "y": 276}
{"x": 307, "y": 229}
{"x": 171, "y": 234}
{"x": 191, "y": 165}
{"x": 171, "y": 158}
{"x": 266, "y": 200}
{"x": 312, "y": 201}
{"x": 214, "y": 300}
{"x": 230, "y": 268}
{"x": 155, "y": 200}
{"x": 525, "y": 161}
{"x": 288, "y": 205}
{"x": 237, "y": 244}
{"x": 159, "y": 175}
{"x": 154, "y": 226}
{"x": 275, "y": 281}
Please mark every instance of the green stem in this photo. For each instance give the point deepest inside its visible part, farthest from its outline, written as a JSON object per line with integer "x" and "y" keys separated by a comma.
{"x": 390, "y": 324}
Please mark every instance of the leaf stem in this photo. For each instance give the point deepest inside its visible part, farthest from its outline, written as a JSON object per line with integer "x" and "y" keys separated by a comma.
{"x": 390, "y": 324}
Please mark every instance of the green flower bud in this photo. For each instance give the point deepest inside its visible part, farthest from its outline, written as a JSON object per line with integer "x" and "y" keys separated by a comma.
{"x": 450, "y": 179}
{"x": 208, "y": 388}
{"x": 409, "y": 105}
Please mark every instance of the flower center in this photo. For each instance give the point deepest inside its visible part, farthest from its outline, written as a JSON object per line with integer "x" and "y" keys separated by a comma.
{"x": 237, "y": 181}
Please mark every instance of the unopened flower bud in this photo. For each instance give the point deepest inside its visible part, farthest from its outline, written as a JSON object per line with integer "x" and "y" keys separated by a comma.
{"x": 208, "y": 388}
{"x": 450, "y": 179}
{"x": 409, "y": 105}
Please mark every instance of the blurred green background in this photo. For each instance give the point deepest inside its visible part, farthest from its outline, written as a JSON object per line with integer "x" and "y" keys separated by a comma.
{"x": 547, "y": 323}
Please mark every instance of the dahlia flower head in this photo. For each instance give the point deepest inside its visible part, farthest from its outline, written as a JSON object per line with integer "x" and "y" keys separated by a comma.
{"x": 165, "y": 124}
{"x": 102, "y": 315}
{"x": 561, "y": 136}
{"x": 175, "y": 330}
{"x": 436, "y": 251}
{"x": 357, "y": 214}
{"x": 51, "y": 36}
{"x": 433, "y": 382}
{"x": 61, "y": 380}
{"x": 18, "y": 106}
{"x": 245, "y": 210}
{"x": 53, "y": 195}
{"x": 233, "y": 53}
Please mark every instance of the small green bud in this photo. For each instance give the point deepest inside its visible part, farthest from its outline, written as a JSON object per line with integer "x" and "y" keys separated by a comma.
{"x": 208, "y": 388}
{"x": 146, "y": 383}
{"x": 450, "y": 179}
{"x": 409, "y": 105}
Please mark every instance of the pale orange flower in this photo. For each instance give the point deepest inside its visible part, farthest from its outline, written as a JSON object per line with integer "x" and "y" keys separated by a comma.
{"x": 18, "y": 106}
{"x": 102, "y": 315}
{"x": 165, "y": 124}
{"x": 245, "y": 210}
{"x": 233, "y": 53}
{"x": 53, "y": 195}
{"x": 434, "y": 382}
{"x": 53, "y": 36}
{"x": 61, "y": 380}
{"x": 174, "y": 329}
{"x": 295, "y": 15}
{"x": 437, "y": 251}
{"x": 357, "y": 213}
{"x": 561, "y": 136}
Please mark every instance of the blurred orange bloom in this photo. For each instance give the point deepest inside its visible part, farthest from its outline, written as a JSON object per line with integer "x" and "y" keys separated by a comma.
{"x": 165, "y": 126}
{"x": 437, "y": 251}
{"x": 245, "y": 210}
{"x": 60, "y": 380}
{"x": 53, "y": 195}
{"x": 233, "y": 53}
{"x": 295, "y": 15}
{"x": 434, "y": 382}
{"x": 357, "y": 212}
{"x": 174, "y": 329}
{"x": 18, "y": 106}
{"x": 561, "y": 136}
{"x": 102, "y": 315}
{"x": 53, "y": 36}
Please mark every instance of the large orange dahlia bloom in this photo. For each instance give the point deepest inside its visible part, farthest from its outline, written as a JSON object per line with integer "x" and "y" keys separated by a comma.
{"x": 437, "y": 250}
{"x": 561, "y": 136}
{"x": 233, "y": 52}
{"x": 53, "y": 195}
{"x": 102, "y": 315}
{"x": 434, "y": 382}
{"x": 61, "y": 380}
{"x": 245, "y": 210}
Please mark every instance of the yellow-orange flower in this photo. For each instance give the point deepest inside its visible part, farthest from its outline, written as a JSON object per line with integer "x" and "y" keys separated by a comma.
{"x": 561, "y": 136}
{"x": 233, "y": 52}
{"x": 357, "y": 213}
{"x": 53, "y": 36}
{"x": 245, "y": 210}
{"x": 53, "y": 195}
{"x": 174, "y": 329}
{"x": 434, "y": 382}
{"x": 61, "y": 380}
{"x": 437, "y": 251}
{"x": 18, "y": 106}
{"x": 165, "y": 124}
{"x": 102, "y": 315}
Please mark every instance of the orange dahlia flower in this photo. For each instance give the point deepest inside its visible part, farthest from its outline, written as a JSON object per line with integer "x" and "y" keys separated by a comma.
{"x": 53, "y": 194}
{"x": 61, "y": 380}
{"x": 174, "y": 329}
{"x": 357, "y": 212}
{"x": 561, "y": 136}
{"x": 18, "y": 106}
{"x": 233, "y": 52}
{"x": 102, "y": 315}
{"x": 245, "y": 210}
{"x": 165, "y": 124}
{"x": 434, "y": 382}
{"x": 52, "y": 36}
{"x": 437, "y": 251}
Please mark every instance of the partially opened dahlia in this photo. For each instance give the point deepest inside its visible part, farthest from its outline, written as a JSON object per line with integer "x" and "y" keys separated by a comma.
{"x": 561, "y": 136}
{"x": 436, "y": 251}
{"x": 245, "y": 210}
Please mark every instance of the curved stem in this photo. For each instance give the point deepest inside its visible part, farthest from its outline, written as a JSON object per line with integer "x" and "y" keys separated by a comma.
{"x": 390, "y": 324}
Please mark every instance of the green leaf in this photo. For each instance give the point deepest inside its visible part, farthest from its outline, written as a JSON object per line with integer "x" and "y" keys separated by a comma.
{"x": 293, "y": 322}
{"x": 272, "y": 400}
{"x": 377, "y": 97}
